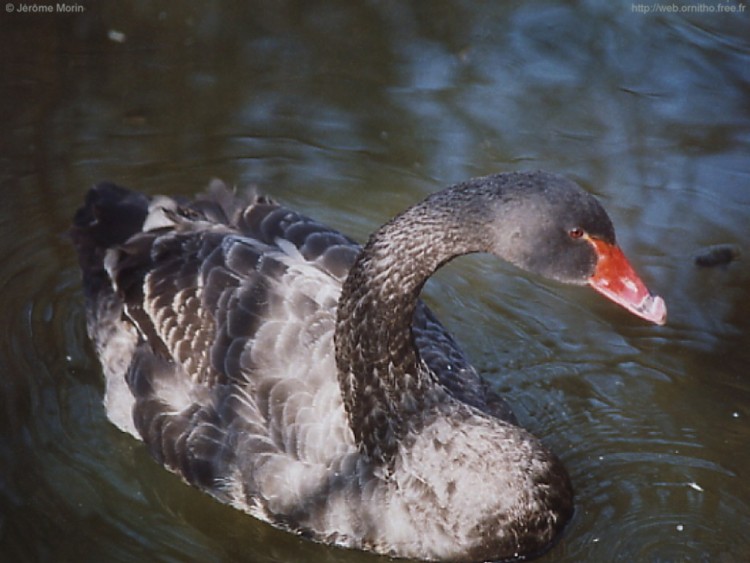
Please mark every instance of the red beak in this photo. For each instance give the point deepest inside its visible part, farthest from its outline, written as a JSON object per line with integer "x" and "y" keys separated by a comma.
{"x": 615, "y": 278}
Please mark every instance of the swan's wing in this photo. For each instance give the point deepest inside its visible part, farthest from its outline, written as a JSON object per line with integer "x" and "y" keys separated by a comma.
{"x": 226, "y": 310}
{"x": 448, "y": 362}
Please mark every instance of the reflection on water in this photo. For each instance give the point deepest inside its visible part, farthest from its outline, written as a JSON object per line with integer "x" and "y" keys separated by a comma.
{"x": 351, "y": 112}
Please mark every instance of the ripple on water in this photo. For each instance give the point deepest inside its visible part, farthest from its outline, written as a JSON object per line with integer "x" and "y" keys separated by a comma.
{"x": 661, "y": 513}
{"x": 643, "y": 494}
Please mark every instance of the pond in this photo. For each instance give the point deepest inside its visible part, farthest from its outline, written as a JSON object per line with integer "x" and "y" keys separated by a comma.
{"x": 349, "y": 112}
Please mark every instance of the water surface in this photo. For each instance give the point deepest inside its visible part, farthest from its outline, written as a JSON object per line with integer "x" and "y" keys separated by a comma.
{"x": 350, "y": 112}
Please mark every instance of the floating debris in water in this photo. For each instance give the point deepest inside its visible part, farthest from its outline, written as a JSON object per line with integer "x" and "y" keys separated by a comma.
{"x": 695, "y": 487}
{"x": 719, "y": 255}
{"x": 116, "y": 36}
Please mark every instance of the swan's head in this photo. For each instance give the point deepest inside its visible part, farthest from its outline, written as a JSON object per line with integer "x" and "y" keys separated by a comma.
{"x": 548, "y": 225}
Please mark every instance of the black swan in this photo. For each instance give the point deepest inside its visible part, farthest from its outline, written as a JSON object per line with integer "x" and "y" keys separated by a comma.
{"x": 289, "y": 372}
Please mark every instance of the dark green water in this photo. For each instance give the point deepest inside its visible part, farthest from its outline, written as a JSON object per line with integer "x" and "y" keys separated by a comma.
{"x": 351, "y": 111}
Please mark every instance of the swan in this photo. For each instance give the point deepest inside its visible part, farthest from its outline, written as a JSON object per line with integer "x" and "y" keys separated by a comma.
{"x": 289, "y": 372}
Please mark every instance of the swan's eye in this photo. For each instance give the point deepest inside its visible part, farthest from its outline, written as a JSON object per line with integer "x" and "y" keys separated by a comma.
{"x": 575, "y": 233}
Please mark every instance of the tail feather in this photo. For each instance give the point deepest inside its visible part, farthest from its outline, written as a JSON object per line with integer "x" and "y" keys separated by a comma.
{"x": 109, "y": 217}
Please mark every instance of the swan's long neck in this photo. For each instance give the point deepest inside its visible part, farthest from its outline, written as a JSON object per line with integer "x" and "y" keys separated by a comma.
{"x": 386, "y": 388}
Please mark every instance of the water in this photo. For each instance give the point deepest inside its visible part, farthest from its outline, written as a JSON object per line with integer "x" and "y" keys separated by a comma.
{"x": 350, "y": 112}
